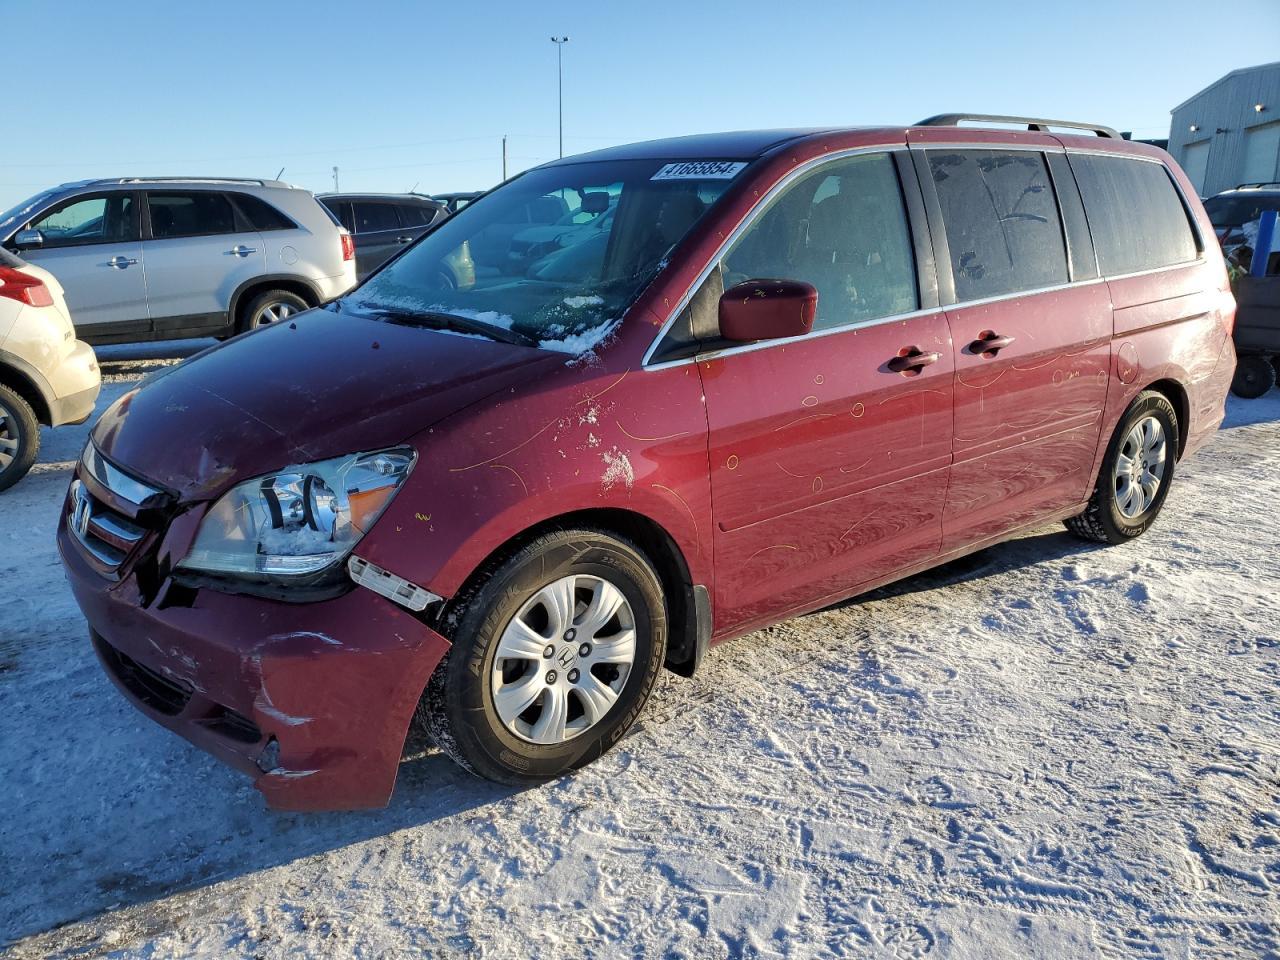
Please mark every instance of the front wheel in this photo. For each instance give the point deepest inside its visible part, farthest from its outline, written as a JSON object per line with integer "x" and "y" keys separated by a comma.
{"x": 1136, "y": 473}
{"x": 553, "y": 658}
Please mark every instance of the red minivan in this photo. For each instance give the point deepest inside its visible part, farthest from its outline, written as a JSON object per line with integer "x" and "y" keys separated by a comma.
{"x": 629, "y": 404}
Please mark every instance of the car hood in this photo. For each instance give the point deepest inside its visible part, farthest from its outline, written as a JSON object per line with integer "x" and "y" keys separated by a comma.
{"x": 324, "y": 385}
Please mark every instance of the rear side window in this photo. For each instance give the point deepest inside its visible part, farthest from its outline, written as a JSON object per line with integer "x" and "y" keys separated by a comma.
{"x": 1001, "y": 221}
{"x": 843, "y": 229}
{"x": 192, "y": 214}
{"x": 372, "y": 217}
{"x": 415, "y": 215}
{"x": 340, "y": 212}
{"x": 1135, "y": 214}
{"x": 262, "y": 215}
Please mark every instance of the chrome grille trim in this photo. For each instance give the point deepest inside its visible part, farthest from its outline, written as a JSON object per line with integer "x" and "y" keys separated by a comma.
{"x": 117, "y": 481}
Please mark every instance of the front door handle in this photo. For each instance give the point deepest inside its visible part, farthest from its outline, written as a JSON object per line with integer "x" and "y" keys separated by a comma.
{"x": 242, "y": 251}
{"x": 120, "y": 263}
{"x": 989, "y": 343}
{"x": 404, "y": 239}
{"x": 912, "y": 358}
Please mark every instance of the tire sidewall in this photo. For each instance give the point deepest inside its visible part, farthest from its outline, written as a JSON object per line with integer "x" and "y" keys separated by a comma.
{"x": 468, "y": 695}
{"x": 22, "y": 420}
{"x": 1152, "y": 404}
{"x": 1255, "y": 375}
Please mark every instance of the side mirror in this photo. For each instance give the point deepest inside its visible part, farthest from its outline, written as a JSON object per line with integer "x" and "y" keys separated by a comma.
{"x": 767, "y": 310}
{"x": 28, "y": 238}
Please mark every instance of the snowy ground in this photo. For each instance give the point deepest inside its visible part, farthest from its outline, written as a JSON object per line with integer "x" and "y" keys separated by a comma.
{"x": 1048, "y": 750}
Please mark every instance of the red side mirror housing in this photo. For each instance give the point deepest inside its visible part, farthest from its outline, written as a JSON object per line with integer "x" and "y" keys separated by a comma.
{"x": 767, "y": 310}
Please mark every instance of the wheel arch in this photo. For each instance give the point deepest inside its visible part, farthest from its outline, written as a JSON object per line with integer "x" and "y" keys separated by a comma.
{"x": 688, "y": 610}
{"x": 1176, "y": 394}
{"x": 293, "y": 283}
{"x": 23, "y": 380}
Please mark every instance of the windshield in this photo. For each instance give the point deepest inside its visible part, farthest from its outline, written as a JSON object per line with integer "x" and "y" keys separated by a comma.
{"x": 1238, "y": 210}
{"x": 9, "y": 219}
{"x": 555, "y": 256}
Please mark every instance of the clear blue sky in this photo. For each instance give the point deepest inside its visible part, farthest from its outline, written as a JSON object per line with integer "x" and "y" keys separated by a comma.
{"x": 401, "y": 93}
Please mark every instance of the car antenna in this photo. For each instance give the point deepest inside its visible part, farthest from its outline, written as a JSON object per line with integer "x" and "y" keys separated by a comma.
{"x": 415, "y": 186}
{"x": 280, "y": 174}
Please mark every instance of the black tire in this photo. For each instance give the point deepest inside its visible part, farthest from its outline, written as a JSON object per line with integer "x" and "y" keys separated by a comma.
{"x": 258, "y": 312}
{"x": 457, "y": 709}
{"x": 1275, "y": 363}
{"x": 1102, "y": 520}
{"x": 1254, "y": 376}
{"x": 19, "y": 437}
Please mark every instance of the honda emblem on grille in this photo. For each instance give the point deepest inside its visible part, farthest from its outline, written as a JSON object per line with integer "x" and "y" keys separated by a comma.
{"x": 80, "y": 511}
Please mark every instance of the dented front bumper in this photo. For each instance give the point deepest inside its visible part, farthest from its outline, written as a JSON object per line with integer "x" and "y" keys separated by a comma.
{"x": 334, "y": 683}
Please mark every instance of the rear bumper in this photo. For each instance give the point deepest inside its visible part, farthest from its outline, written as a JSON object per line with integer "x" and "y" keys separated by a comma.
{"x": 74, "y": 385}
{"x": 334, "y": 683}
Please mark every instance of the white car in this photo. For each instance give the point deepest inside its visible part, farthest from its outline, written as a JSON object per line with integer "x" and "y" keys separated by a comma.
{"x": 166, "y": 258}
{"x": 47, "y": 376}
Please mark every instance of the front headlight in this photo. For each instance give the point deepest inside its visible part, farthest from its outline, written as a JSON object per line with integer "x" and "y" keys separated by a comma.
{"x": 300, "y": 520}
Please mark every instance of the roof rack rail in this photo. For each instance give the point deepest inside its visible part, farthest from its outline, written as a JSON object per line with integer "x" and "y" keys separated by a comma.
{"x": 1037, "y": 124}
{"x": 1263, "y": 183}
{"x": 252, "y": 180}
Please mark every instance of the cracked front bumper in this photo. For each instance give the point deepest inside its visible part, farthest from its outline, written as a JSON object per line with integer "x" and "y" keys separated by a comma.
{"x": 334, "y": 682}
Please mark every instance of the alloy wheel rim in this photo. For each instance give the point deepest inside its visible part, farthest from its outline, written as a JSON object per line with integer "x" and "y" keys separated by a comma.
{"x": 1140, "y": 467}
{"x": 9, "y": 439}
{"x": 275, "y": 312}
{"x": 563, "y": 659}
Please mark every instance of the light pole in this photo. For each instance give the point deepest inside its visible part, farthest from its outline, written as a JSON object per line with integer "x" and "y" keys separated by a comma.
{"x": 560, "y": 42}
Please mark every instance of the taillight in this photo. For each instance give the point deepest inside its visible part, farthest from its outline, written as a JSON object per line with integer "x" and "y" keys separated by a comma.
{"x": 348, "y": 247}
{"x": 24, "y": 288}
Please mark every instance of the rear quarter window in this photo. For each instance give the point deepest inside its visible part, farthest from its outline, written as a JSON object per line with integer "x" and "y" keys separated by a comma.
{"x": 260, "y": 214}
{"x": 1136, "y": 216}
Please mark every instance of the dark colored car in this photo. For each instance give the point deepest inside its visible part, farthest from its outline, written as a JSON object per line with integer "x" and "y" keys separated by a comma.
{"x": 501, "y": 497}
{"x": 456, "y": 201}
{"x": 1231, "y": 210}
{"x": 382, "y": 223}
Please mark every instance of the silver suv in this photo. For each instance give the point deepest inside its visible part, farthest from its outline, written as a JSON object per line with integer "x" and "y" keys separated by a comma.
{"x": 165, "y": 258}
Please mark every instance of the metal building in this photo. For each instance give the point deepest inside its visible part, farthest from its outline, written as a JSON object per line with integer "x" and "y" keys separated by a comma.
{"x": 1229, "y": 132}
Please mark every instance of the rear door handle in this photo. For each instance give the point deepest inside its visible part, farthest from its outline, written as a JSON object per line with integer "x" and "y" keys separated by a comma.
{"x": 912, "y": 358}
{"x": 989, "y": 343}
{"x": 120, "y": 263}
{"x": 404, "y": 239}
{"x": 242, "y": 251}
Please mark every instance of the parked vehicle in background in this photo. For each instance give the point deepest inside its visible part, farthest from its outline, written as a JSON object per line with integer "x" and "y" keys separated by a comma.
{"x": 456, "y": 201}
{"x": 1233, "y": 211}
{"x": 164, "y": 258}
{"x": 47, "y": 376}
{"x": 382, "y": 223}
{"x": 500, "y": 498}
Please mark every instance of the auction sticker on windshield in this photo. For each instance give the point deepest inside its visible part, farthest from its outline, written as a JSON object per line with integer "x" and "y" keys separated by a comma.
{"x": 700, "y": 170}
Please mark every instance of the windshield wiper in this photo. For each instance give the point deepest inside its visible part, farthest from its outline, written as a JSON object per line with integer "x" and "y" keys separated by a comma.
{"x": 456, "y": 323}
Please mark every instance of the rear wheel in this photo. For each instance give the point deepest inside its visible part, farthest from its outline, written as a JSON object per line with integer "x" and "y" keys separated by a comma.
{"x": 270, "y": 307}
{"x": 1136, "y": 473}
{"x": 19, "y": 437}
{"x": 1254, "y": 376}
{"x": 553, "y": 658}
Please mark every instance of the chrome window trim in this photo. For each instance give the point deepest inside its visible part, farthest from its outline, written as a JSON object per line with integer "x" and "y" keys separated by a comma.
{"x": 115, "y": 480}
{"x": 756, "y": 211}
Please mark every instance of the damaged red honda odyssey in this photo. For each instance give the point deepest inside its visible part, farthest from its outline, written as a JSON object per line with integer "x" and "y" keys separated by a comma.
{"x": 627, "y": 405}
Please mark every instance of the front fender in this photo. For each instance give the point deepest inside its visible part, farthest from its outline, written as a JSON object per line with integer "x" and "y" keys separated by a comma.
{"x": 584, "y": 437}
